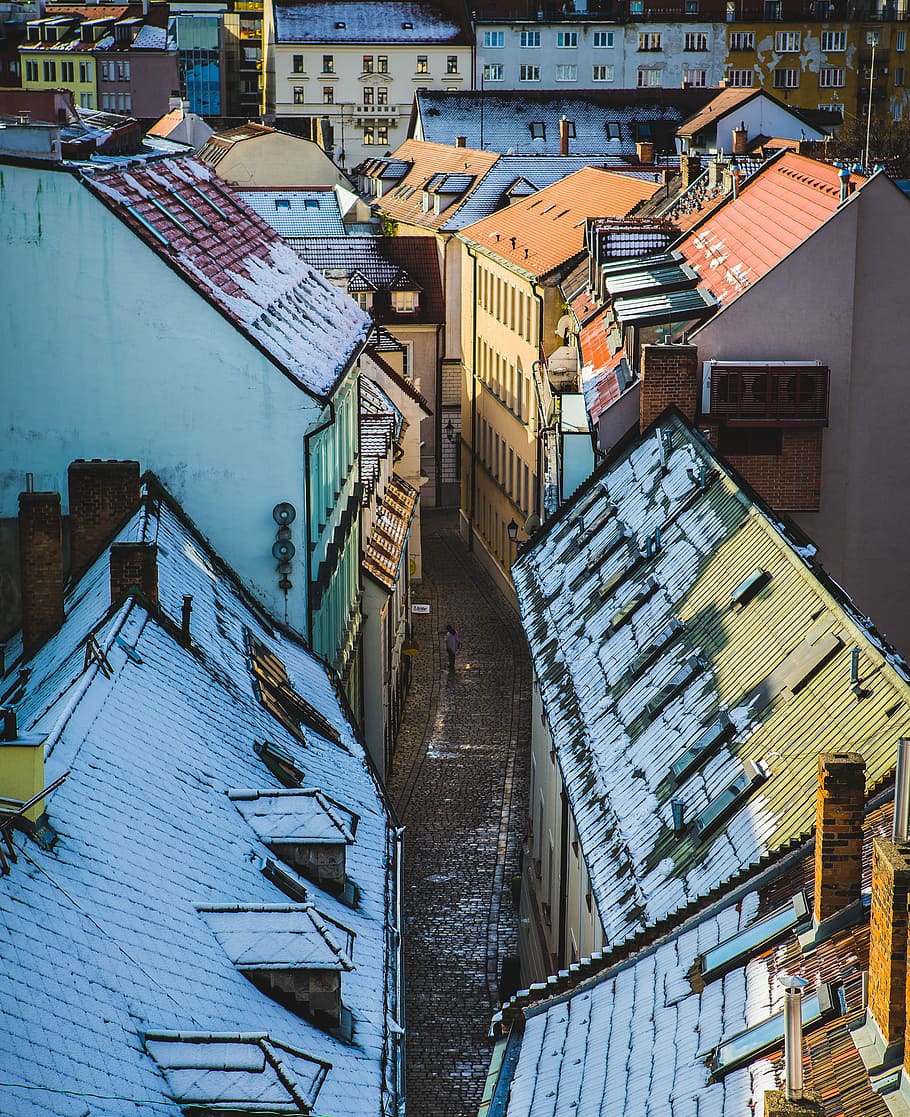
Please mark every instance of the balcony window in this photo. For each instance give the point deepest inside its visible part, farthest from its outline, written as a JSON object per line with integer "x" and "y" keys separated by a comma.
{"x": 368, "y": 95}
{"x": 382, "y": 95}
{"x": 770, "y": 395}
{"x": 423, "y": 64}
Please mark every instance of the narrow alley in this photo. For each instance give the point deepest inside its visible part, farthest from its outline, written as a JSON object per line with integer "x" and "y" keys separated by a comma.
{"x": 459, "y": 783}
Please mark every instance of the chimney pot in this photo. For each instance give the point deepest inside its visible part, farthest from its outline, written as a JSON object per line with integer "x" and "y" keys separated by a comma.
{"x": 102, "y": 497}
{"x": 563, "y": 136}
{"x": 793, "y": 1034}
{"x": 740, "y": 140}
{"x": 134, "y": 566}
{"x": 690, "y": 166}
{"x": 644, "y": 149}
{"x": 41, "y": 567}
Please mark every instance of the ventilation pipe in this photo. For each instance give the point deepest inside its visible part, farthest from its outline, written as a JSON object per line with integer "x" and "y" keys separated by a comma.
{"x": 793, "y": 1035}
{"x": 844, "y": 176}
{"x": 185, "y": 614}
{"x": 563, "y": 136}
{"x": 901, "y": 829}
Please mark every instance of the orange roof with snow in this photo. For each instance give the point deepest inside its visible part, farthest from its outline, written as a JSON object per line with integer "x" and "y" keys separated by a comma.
{"x": 540, "y": 232}
{"x": 776, "y": 210}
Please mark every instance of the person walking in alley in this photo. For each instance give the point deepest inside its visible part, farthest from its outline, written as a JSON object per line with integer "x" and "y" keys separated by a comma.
{"x": 453, "y": 644}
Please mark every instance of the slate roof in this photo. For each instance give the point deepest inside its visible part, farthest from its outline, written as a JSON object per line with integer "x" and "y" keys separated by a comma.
{"x": 387, "y": 544}
{"x": 295, "y": 214}
{"x": 236, "y": 261}
{"x": 421, "y": 22}
{"x": 507, "y": 116}
{"x": 105, "y": 951}
{"x": 643, "y": 1032}
{"x": 781, "y": 205}
{"x": 538, "y": 234}
{"x": 645, "y": 659}
{"x": 387, "y": 264}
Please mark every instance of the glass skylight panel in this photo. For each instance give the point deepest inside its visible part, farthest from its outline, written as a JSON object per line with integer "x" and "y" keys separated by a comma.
{"x": 750, "y": 588}
{"x": 624, "y": 614}
{"x": 720, "y": 730}
{"x": 730, "y": 798}
{"x": 768, "y": 1034}
{"x": 690, "y": 670}
{"x": 752, "y": 940}
{"x": 649, "y": 654}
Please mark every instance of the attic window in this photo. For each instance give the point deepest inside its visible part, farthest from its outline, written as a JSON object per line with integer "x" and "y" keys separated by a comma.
{"x": 767, "y": 1035}
{"x": 281, "y": 700}
{"x": 340, "y": 25}
{"x": 538, "y": 130}
{"x": 690, "y": 670}
{"x": 754, "y": 939}
{"x": 612, "y": 129}
{"x": 280, "y": 763}
{"x": 282, "y": 203}
{"x": 730, "y": 799}
{"x": 407, "y": 26}
{"x": 311, "y": 203}
{"x": 649, "y": 654}
{"x": 749, "y": 588}
{"x": 627, "y": 611}
{"x": 285, "y": 879}
{"x": 720, "y": 730}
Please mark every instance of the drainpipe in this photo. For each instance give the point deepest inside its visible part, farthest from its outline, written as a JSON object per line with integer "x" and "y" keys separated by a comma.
{"x": 541, "y": 433}
{"x": 308, "y": 507}
{"x": 440, "y": 350}
{"x": 472, "y": 503}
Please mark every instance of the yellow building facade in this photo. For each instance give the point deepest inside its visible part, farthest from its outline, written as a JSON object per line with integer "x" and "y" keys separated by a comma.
{"x": 44, "y": 68}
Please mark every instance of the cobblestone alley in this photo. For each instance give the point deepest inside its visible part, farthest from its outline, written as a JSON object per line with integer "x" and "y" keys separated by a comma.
{"x": 459, "y": 783}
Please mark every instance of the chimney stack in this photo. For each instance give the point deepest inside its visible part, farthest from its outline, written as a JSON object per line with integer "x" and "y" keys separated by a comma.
{"x": 461, "y": 141}
{"x": 41, "y": 568}
{"x": 888, "y": 939}
{"x": 839, "y": 804}
{"x": 563, "y": 136}
{"x": 644, "y": 149}
{"x": 669, "y": 374}
{"x": 102, "y": 497}
{"x": 134, "y": 566}
{"x": 740, "y": 139}
{"x": 690, "y": 166}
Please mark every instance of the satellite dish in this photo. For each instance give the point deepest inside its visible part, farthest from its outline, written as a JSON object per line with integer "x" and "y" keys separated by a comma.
{"x": 283, "y": 549}
{"x": 284, "y": 513}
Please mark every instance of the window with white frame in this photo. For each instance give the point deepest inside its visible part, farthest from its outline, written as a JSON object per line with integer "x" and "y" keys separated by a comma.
{"x": 834, "y": 40}
{"x": 494, "y": 71}
{"x": 649, "y": 79}
{"x": 695, "y": 79}
{"x": 494, "y": 38}
{"x": 367, "y": 66}
{"x": 740, "y": 79}
{"x": 649, "y": 40}
{"x": 538, "y": 132}
{"x": 742, "y": 40}
{"x": 833, "y": 106}
{"x": 567, "y": 73}
{"x": 382, "y": 134}
{"x": 787, "y": 42}
{"x": 786, "y": 79}
{"x": 107, "y": 102}
{"x": 369, "y": 94}
{"x": 382, "y": 63}
{"x": 602, "y": 73}
{"x": 124, "y": 102}
{"x": 567, "y": 38}
{"x": 107, "y": 71}
{"x": 636, "y": 7}
{"x": 529, "y": 73}
{"x": 382, "y": 95}
{"x": 831, "y": 77}
{"x": 900, "y": 42}
{"x": 529, "y": 39}
{"x": 404, "y": 302}
{"x": 123, "y": 71}
{"x": 696, "y": 40}
{"x": 603, "y": 39}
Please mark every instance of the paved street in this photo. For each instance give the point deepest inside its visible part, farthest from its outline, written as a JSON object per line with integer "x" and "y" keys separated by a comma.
{"x": 459, "y": 783}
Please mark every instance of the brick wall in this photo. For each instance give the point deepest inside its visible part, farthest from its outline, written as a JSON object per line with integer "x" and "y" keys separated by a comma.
{"x": 134, "y": 565}
{"x": 888, "y": 941}
{"x": 669, "y": 374}
{"x": 102, "y": 496}
{"x": 41, "y": 568}
{"x": 790, "y": 481}
{"x": 838, "y": 832}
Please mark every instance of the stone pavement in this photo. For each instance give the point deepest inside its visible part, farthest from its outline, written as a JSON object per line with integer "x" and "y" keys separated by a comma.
{"x": 460, "y": 784}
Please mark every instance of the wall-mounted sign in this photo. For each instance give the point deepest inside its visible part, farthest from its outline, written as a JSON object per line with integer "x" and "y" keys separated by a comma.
{"x": 418, "y": 608}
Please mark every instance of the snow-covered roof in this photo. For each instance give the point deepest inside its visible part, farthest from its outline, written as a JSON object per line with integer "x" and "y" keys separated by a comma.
{"x": 686, "y": 647}
{"x": 236, "y": 261}
{"x": 371, "y": 21}
{"x": 297, "y": 213}
{"x": 119, "y": 990}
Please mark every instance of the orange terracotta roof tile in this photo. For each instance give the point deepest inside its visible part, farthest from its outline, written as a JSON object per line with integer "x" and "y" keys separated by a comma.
{"x": 775, "y": 212}
{"x": 540, "y": 232}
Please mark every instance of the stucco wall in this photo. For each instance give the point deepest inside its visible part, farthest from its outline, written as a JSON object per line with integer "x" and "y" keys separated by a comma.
{"x": 110, "y": 354}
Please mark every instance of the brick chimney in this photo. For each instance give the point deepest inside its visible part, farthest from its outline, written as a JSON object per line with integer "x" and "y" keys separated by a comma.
{"x": 134, "y": 566}
{"x": 41, "y": 568}
{"x": 669, "y": 374}
{"x": 644, "y": 150}
{"x": 461, "y": 141}
{"x": 740, "y": 140}
{"x": 839, "y": 804}
{"x": 563, "y": 136}
{"x": 690, "y": 168}
{"x": 888, "y": 938}
{"x": 102, "y": 497}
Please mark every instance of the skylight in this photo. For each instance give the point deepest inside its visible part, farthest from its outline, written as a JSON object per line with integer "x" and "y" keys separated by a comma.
{"x": 769, "y": 1034}
{"x": 279, "y": 762}
{"x": 720, "y": 730}
{"x": 729, "y": 800}
{"x": 750, "y": 588}
{"x": 753, "y": 940}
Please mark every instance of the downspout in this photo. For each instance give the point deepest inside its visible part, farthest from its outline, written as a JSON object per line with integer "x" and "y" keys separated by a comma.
{"x": 440, "y": 347}
{"x": 540, "y": 411}
{"x": 401, "y": 1081}
{"x": 311, "y": 546}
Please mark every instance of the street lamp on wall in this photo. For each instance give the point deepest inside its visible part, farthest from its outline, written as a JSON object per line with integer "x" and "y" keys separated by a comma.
{"x": 512, "y": 529}
{"x": 450, "y": 431}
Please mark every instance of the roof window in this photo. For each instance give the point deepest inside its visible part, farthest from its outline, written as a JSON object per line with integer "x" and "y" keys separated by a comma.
{"x": 279, "y": 762}
{"x": 798, "y": 668}
{"x": 720, "y": 730}
{"x": 282, "y": 203}
{"x": 280, "y": 698}
{"x": 730, "y": 799}
{"x": 651, "y": 652}
{"x": 749, "y": 588}
{"x": 690, "y": 670}
{"x": 285, "y": 879}
{"x": 626, "y": 612}
{"x": 311, "y": 203}
{"x": 754, "y": 939}
{"x": 340, "y": 25}
{"x": 768, "y": 1034}
{"x": 538, "y": 129}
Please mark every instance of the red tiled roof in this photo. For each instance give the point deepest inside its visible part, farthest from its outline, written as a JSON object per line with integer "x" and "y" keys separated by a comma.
{"x": 775, "y": 212}
{"x": 541, "y": 232}
{"x": 725, "y": 101}
{"x": 598, "y": 365}
{"x": 234, "y": 260}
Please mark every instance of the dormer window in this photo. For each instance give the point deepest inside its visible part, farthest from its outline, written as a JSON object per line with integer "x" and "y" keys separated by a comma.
{"x": 404, "y": 302}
